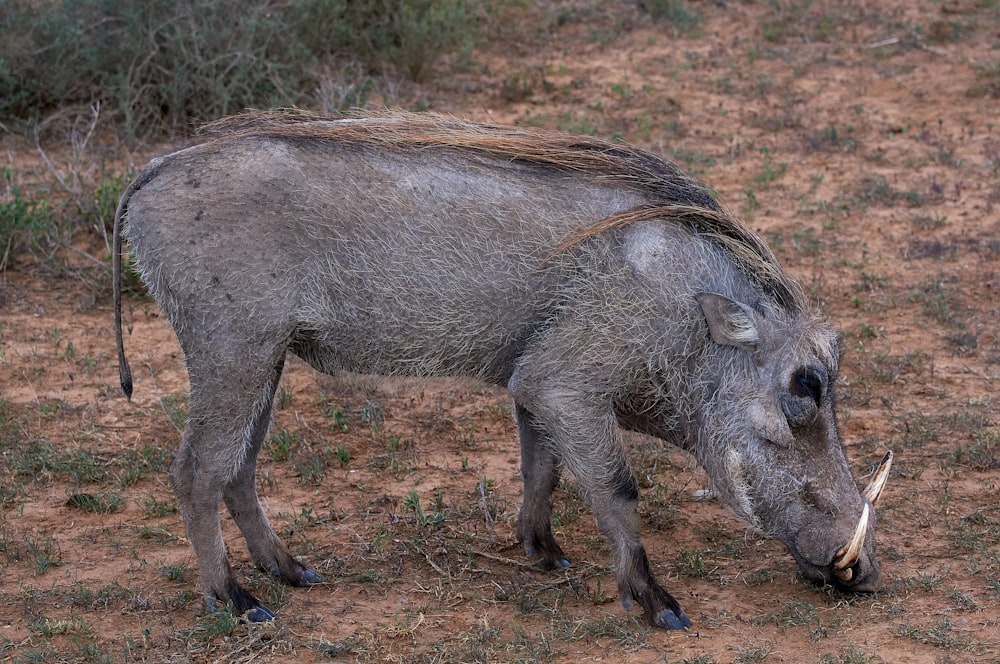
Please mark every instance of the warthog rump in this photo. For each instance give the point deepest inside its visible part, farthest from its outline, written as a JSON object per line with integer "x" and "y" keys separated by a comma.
{"x": 605, "y": 288}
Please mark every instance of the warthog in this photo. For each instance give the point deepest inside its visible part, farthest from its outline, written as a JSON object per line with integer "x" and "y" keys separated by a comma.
{"x": 605, "y": 288}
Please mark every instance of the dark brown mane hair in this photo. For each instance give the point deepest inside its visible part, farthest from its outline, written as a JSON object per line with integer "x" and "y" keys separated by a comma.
{"x": 673, "y": 194}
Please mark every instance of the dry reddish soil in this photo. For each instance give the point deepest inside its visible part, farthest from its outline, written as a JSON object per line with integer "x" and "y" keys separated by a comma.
{"x": 859, "y": 138}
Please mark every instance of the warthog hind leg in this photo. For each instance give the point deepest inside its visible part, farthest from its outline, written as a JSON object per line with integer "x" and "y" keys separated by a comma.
{"x": 540, "y": 471}
{"x": 240, "y": 495}
{"x": 230, "y": 413}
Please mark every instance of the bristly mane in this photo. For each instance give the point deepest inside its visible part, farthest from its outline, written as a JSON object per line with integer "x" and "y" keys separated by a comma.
{"x": 673, "y": 194}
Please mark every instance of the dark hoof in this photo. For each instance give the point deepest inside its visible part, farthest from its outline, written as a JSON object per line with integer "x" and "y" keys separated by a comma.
{"x": 547, "y": 556}
{"x": 259, "y": 614}
{"x": 670, "y": 620}
{"x": 310, "y": 578}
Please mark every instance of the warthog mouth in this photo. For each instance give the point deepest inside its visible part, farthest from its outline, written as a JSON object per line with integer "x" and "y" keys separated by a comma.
{"x": 848, "y": 569}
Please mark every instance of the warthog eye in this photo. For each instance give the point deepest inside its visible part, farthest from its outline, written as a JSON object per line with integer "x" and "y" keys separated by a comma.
{"x": 809, "y": 382}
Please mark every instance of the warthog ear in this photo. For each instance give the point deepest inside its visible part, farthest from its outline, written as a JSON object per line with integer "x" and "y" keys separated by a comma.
{"x": 729, "y": 322}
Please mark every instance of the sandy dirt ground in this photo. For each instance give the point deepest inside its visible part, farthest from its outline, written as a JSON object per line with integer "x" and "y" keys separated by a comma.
{"x": 859, "y": 138}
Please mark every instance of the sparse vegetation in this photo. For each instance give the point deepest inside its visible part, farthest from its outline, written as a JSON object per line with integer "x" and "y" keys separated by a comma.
{"x": 822, "y": 122}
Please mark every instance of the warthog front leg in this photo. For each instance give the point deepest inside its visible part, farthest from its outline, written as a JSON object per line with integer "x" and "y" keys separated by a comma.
{"x": 540, "y": 471}
{"x": 583, "y": 432}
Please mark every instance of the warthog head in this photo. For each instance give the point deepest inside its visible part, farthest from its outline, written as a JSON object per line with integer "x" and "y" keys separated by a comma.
{"x": 770, "y": 442}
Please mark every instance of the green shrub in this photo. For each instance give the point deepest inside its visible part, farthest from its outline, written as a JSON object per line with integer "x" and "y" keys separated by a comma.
{"x": 164, "y": 65}
{"x": 24, "y": 222}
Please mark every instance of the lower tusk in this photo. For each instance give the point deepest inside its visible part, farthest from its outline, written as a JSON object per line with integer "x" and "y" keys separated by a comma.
{"x": 849, "y": 555}
{"x": 875, "y": 487}
{"x": 844, "y": 575}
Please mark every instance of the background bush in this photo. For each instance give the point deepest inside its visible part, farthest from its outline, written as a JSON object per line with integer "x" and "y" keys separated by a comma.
{"x": 165, "y": 65}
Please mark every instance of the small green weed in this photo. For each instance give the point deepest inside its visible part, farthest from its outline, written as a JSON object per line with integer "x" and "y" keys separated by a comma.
{"x": 312, "y": 469}
{"x": 432, "y": 519}
{"x": 694, "y": 564}
{"x": 280, "y": 445}
{"x": 154, "y": 507}
{"x": 176, "y": 572}
{"x": 770, "y": 171}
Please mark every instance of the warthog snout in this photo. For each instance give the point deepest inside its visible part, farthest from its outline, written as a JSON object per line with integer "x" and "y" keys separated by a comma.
{"x": 852, "y": 566}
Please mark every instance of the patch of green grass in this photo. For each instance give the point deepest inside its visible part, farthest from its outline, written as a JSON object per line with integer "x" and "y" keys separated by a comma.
{"x": 751, "y": 654}
{"x": 175, "y": 406}
{"x": 677, "y": 15}
{"x": 625, "y": 630}
{"x": 793, "y": 613}
{"x": 916, "y": 428}
{"x": 211, "y": 626}
{"x": 928, "y": 222}
{"x": 157, "y": 535}
{"x": 105, "y": 502}
{"x": 887, "y": 368}
{"x": 770, "y": 171}
{"x": 136, "y": 464}
{"x": 40, "y": 459}
{"x": 351, "y": 647}
{"x": 961, "y": 600}
{"x": 44, "y": 552}
{"x": 696, "y": 564}
{"x": 106, "y": 595}
{"x": 852, "y": 656}
{"x": 283, "y": 398}
{"x": 176, "y": 572}
{"x": 941, "y": 634}
{"x": 575, "y": 124}
{"x": 336, "y": 414}
{"x": 762, "y": 576}
{"x": 978, "y": 531}
{"x": 981, "y": 454}
{"x": 154, "y": 507}
{"x": 987, "y": 80}
{"x": 940, "y": 303}
{"x": 831, "y": 138}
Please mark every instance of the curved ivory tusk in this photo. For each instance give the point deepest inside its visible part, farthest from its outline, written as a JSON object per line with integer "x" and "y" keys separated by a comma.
{"x": 849, "y": 555}
{"x": 874, "y": 489}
